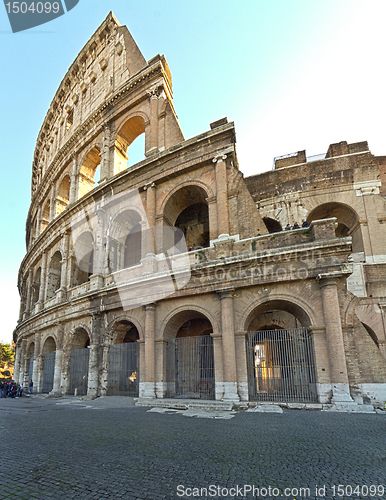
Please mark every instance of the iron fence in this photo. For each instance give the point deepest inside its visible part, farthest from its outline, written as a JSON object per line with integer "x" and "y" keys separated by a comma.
{"x": 123, "y": 369}
{"x": 190, "y": 368}
{"x": 281, "y": 365}
{"x": 48, "y": 372}
{"x": 79, "y": 371}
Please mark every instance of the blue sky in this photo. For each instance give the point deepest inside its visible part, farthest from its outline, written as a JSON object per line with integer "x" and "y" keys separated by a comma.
{"x": 293, "y": 75}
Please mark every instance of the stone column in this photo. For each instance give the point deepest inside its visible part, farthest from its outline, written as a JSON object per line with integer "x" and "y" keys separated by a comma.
{"x": 160, "y": 368}
{"x": 43, "y": 282}
{"x": 105, "y": 369}
{"x": 28, "y": 298}
{"x": 241, "y": 364}
{"x": 65, "y": 375}
{"x": 22, "y": 362}
{"x": 96, "y": 280}
{"x": 52, "y": 204}
{"x": 141, "y": 368}
{"x": 212, "y": 210}
{"x": 62, "y": 292}
{"x": 218, "y": 366}
{"x": 149, "y": 368}
{"x": 322, "y": 364}
{"x": 38, "y": 385}
{"x": 16, "y": 372}
{"x": 74, "y": 180}
{"x": 56, "y": 390}
{"x": 228, "y": 344}
{"x": 334, "y": 336}
{"x": 38, "y": 222}
{"x": 105, "y": 157}
{"x": 222, "y": 196}
{"x": 150, "y": 214}
{"x": 153, "y": 94}
{"x": 93, "y": 371}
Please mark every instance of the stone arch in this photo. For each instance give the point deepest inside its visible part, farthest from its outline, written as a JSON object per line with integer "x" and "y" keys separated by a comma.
{"x": 63, "y": 193}
{"x": 48, "y": 363}
{"x": 111, "y": 336}
{"x": 125, "y": 239}
{"x": 272, "y": 225}
{"x": 79, "y": 338}
{"x": 289, "y": 304}
{"x": 45, "y": 216}
{"x": 48, "y": 344}
{"x": 54, "y": 275}
{"x": 130, "y": 128}
{"x": 88, "y": 170}
{"x": 84, "y": 258}
{"x": 36, "y": 286}
{"x": 204, "y": 186}
{"x": 187, "y": 209}
{"x": 179, "y": 316}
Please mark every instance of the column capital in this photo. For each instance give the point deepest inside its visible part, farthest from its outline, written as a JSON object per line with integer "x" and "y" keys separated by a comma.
{"x": 317, "y": 330}
{"x": 226, "y": 293}
{"x": 241, "y": 334}
{"x": 328, "y": 279}
{"x": 149, "y": 185}
{"x": 151, "y": 307}
{"x": 219, "y": 158}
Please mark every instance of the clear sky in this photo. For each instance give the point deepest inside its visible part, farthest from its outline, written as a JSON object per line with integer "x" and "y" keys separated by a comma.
{"x": 291, "y": 74}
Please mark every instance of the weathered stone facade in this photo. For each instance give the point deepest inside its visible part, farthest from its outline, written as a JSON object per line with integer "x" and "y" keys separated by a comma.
{"x": 112, "y": 293}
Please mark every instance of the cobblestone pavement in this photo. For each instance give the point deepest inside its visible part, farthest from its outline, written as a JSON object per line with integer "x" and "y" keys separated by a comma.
{"x": 108, "y": 449}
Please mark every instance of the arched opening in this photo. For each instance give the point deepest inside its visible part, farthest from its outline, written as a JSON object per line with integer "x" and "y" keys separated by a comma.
{"x": 123, "y": 368}
{"x": 187, "y": 210}
{"x": 190, "y": 356}
{"x": 372, "y": 334}
{"x": 88, "y": 172}
{"x": 84, "y": 257}
{"x": 125, "y": 241}
{"x": 272, "y": 225}
{"x": 54, "y": 275}
{"x": 48, "y": 352}
{"x": 280, "y": 353}
{"x": 45, "y": 217}
{"x": 346, "y": 219}
{"x": 79, "y": 361}
{"x": 63, "y": 197}
{"x": 128, "y": 133}
{"x": 36, "y": 287}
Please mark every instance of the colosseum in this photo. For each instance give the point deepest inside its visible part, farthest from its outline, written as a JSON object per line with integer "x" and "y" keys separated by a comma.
{"x": 175, "y": 276}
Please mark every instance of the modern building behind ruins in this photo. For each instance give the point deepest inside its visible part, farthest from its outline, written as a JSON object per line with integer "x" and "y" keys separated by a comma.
{"x": 173, "y": 277}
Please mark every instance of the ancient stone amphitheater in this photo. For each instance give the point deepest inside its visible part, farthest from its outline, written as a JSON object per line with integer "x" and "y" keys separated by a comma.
{"x": 173, "y": 277}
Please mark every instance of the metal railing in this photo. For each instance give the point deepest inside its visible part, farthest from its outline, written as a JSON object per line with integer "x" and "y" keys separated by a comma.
{"x": 79, "y": 371}
{"x": 281, "y": 365}
{"x": 48, "y": 372}
{"x": 123, "y": 369}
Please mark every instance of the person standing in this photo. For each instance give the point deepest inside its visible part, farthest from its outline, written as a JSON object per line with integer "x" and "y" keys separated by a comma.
{"x": 31, "y": 385}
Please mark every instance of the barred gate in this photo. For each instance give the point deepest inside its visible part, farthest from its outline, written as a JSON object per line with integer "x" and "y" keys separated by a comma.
{"x": 281, "y": 365}
{"x": 190, "y": 368}
{"x": 123, "y": 372}
{"x": 48, "y": 372}
{"x": 79, "y": 371}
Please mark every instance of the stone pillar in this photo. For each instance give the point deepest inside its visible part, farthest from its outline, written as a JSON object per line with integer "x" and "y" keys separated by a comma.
{"x": 22, "y": 362}
{"x": 334, "y": 336}
{"x": 228, "y": 344}
{"x": 56, "y": 390}
{"x": 62, "y": 292}
{"x": 149, "y": 367}
{"x": 241, "y": 364}
{"x": 93, "y": 371}
{"x": 105, "y": 369}
{"x": 141, "y": 368}
{"x": 38, "y": 385}
{"x": 150, "y": 214}
{"x": 105, "y": 157}
{"x": 16, "y": 372}
{"x": 28, "y": 298}
{"x": 212, "y": 211}
{"x": 153, "y": 94}
{"x": 74, "y": 180}
{"x": 52, "y": 204}
{"x": 96, "y": 280}
{"x": 43, "y": 281}
{"x": 322, "y": 364}
{"x": 382, "y": 347}
{"x": 222, "y": 196}
{"x": 218, "y": 366}
{"x": 160, "y": 368}
{"x": 65, "y": 375}
{"x": 38, "y": 222}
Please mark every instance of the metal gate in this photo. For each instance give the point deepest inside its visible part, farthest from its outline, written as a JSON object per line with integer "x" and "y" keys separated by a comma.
{"x": 79, "y": 371}
{"x": 48, "y": 372}
{"x": 281, "y": 365}
{"x": 30, "y": 371}
{"x": 123, "y": 374}
{"x": 190, "y": 368}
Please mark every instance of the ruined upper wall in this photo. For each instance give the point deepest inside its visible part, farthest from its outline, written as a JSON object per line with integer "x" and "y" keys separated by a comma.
{"x": 296, "y": 172}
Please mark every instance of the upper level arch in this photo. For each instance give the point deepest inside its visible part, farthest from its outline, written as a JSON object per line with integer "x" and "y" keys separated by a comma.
{"x": 88, "y": 172}
{"x": 129, "y": 130}
{"x": 346, "y": 216}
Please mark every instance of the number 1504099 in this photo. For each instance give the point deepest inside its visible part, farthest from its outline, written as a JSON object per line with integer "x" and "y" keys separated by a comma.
{"x": 38, "y": 7}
